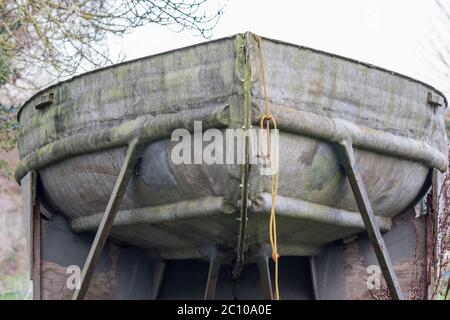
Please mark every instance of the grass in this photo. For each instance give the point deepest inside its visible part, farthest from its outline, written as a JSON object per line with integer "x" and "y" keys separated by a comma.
{"x": 15, "y": 287}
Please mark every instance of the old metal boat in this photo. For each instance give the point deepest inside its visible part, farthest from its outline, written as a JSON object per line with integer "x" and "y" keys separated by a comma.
{"x": 76, "y": 136}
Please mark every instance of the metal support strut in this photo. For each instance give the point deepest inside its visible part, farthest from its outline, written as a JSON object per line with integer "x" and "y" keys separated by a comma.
{"x": 264, "y": 274}
{"x": 107, "y": 220}
{"x": 215, "y": 263}
{"x": 159, "y": 269}
{"x": 314, "y": 280}
{"x": 32, "y": 214}
{"x": 347, "y": 158}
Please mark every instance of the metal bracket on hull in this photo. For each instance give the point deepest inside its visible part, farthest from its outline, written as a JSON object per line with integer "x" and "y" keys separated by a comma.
{"x": 347, "y": 158}
{"x": 104, "y": 228}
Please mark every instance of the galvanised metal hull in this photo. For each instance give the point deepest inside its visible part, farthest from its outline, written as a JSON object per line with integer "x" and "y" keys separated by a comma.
{"x": 78, "y": 144}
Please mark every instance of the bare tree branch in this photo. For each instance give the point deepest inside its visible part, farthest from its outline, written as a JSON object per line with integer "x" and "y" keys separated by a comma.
{"x": 66, "y": 36}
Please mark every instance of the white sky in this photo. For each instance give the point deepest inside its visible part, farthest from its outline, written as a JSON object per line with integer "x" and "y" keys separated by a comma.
{"x": 386, "y": 33}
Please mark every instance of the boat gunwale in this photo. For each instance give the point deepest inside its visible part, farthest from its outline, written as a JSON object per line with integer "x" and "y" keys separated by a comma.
{"x": 366, "y": 64}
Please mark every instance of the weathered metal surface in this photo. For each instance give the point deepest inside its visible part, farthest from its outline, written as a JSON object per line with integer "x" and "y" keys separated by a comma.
{"x": 342, "y": 269}
{"x": 243, "y": 59}
{"x": 146, "y": 128}
{"x": 107, "y": 221}
{"x": 347, "y": 157}
{"x": 78, "y": 144}
{"x": 44, "y": 100}
{"x": 122, "y": 273}
{"x": 32, "y": 223}
{"x": 203, "y": 207}
{"x": 435, "y": 99}
{"x": 28, "y": 186}
{"x": 307, "y": 211}
{"x": 36, "y": 254}
{"x": 126, "y": 272}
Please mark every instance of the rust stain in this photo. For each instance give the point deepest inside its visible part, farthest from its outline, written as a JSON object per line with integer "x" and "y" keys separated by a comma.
{"x": 410, "y": 272}
{"x": 355, "y": 273}
{"x": 54, "y": 278}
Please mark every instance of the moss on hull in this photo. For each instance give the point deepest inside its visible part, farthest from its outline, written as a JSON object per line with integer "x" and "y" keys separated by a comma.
{"x": 78, "y": 143}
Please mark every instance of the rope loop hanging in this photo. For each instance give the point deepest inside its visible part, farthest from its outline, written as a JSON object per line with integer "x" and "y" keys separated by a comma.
{"x": 266, "y": 120}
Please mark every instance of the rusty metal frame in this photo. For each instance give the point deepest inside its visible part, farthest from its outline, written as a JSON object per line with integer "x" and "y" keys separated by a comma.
{"x": 347, "y": 159}
{"x": 104, "y": 229}
{"x": 37, "y": 257}
{"x": 32, "y": 218}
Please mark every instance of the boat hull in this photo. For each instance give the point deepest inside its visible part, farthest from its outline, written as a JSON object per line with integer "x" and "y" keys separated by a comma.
{"x": 78, "y": 143}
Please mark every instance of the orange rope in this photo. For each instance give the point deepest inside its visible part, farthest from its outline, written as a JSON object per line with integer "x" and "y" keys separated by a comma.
{"x": 267, "y": 118}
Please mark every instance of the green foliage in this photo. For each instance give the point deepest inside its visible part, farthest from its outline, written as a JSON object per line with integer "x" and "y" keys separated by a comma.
{"x": 4, "y": 70}
{"x": 8, "y": 128}
{"x": 15, "y": 287}
{"x": 14, "y": 283}
{"x": 5, "y": 169}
